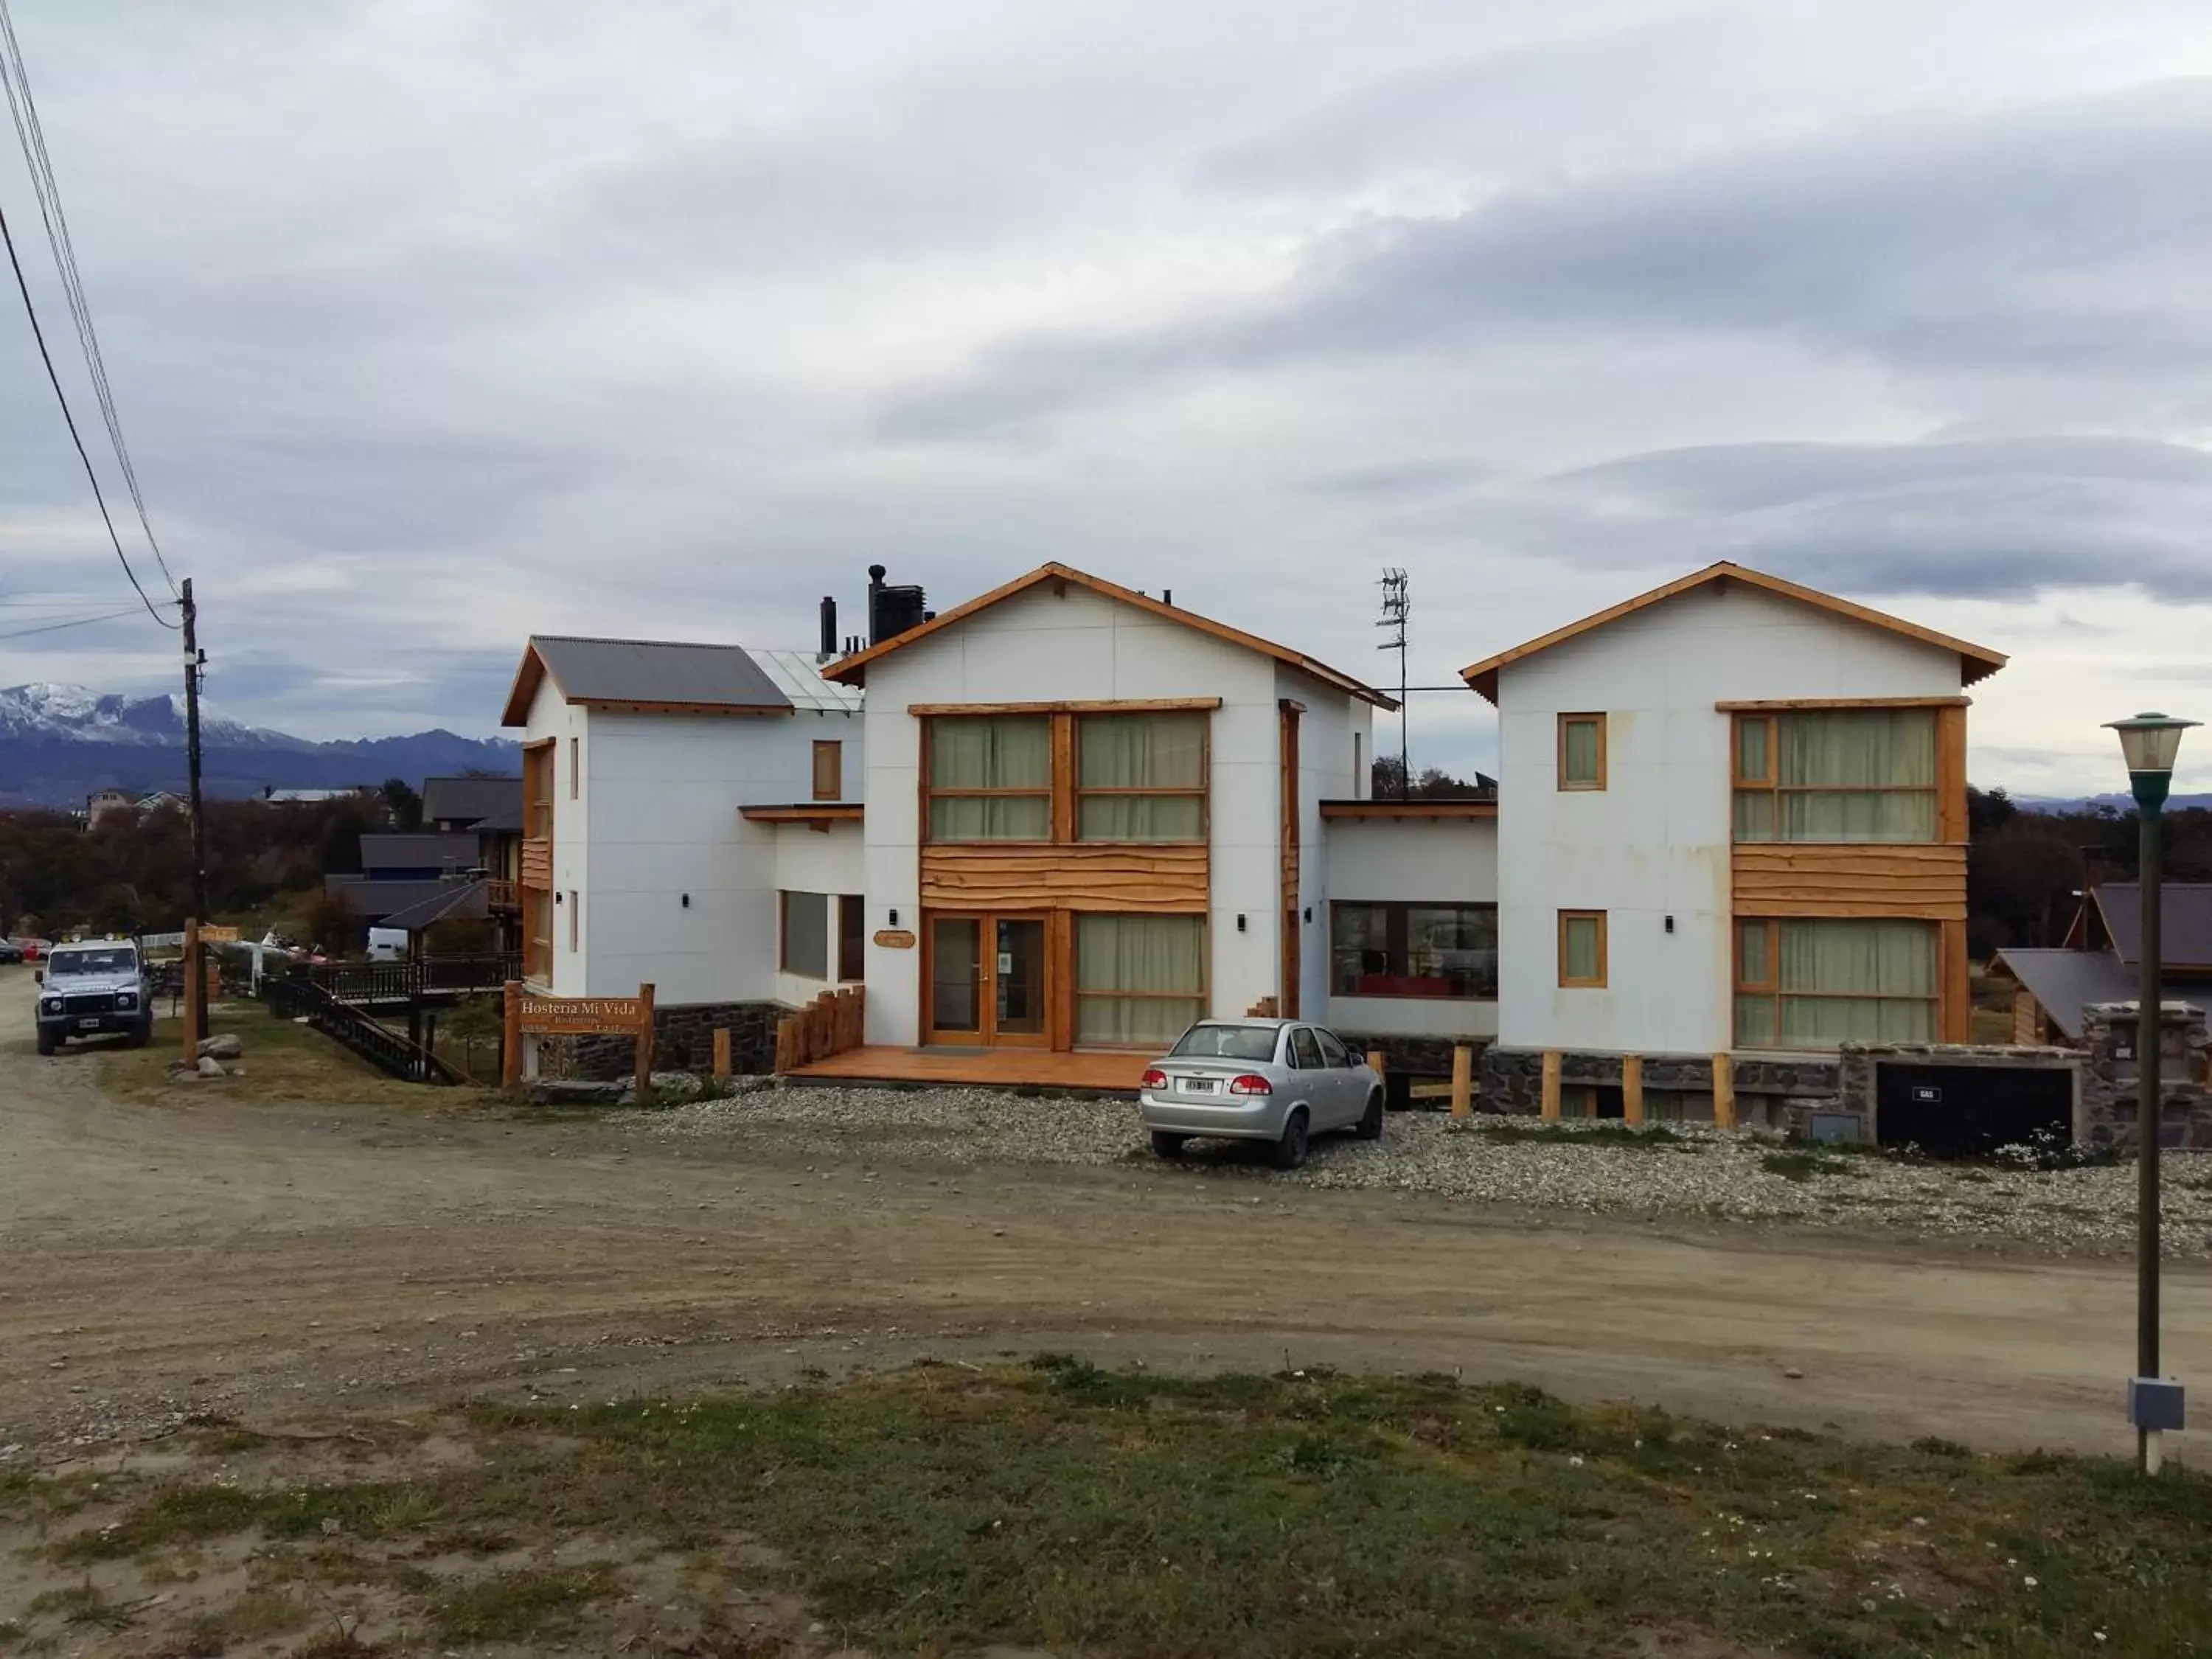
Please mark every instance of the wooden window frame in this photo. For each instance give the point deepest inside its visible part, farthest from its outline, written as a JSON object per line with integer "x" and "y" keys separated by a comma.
{"x": 575, "y": 921}
{"x": 1077, "y": 794}
{"x": 538, "y": 769}
{"x": 575, "y": 768}
{"x": 1049, "y": 793}
{"x": 1598, "y": 719}
{"x": 1770, "y": 988}
{"x": 1772, "y": 786}
{"x": 1204, "y": 994}
{"x": 834, "y": 748}
{"x": 852, "y": 928}
{"x": 1603, "y": 955}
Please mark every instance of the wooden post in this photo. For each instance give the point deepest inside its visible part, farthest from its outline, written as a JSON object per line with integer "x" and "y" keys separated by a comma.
{"x": 1463, "y": 1079}
{"x": 1551, "y": 1083}
{"x": 645, "y": 1034}
{"x": 1724, "y": 1091}
{"x": 510, "y": 1038}
{"x": 1378, "y": 1059}
{"x": 1632, "y": 1089}
{"x": 195, "y": 988}
{"x": 721, "y": 1051}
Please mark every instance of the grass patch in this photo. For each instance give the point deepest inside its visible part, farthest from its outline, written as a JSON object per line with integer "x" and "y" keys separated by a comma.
{"x": 284, "y": 1064}
{"x": 1652, "y": 1137}
{"x": 81, "y": 1604}
{"x": 520, "y": 1606}
{"x": 255, "y": 1616}
{"x": 1058, "y": 1504}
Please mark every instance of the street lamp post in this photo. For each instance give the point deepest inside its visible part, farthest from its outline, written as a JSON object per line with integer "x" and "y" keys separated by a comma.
{"x": 2149, "y": 743}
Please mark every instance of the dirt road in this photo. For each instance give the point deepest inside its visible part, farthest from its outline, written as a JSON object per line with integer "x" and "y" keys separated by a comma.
{"x": 258, "y": 1260}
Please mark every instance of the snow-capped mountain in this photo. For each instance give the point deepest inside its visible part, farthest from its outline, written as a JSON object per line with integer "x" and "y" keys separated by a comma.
{"x": 59, "y": 743}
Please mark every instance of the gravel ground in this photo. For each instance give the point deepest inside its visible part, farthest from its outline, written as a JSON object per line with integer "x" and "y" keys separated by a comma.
{"x": 1685, "y": 1171}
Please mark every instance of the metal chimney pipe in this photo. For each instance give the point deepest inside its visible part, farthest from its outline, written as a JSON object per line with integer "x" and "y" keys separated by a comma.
{"x": 829, "y": 626}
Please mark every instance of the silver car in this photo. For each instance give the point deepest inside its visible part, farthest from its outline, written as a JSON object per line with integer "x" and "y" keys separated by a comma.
{"x": 1280, "y": 1081}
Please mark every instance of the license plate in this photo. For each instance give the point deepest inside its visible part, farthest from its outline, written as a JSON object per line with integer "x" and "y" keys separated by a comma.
{"x": 1197, "y": 1085}
{"x": 88, "y": 1024}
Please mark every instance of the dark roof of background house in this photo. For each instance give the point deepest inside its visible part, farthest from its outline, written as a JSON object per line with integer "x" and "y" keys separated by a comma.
{"x": 375, "y": 900}
{"x": 427, "y": 851}
{"x": 2185, "y": 918}
{"x": 509, "y": 821}
{"x": 2066, "y": 981}
{"x": 455, "y": 901}
{"x": 469, "y": 799}
{"x": 642, "y": 671}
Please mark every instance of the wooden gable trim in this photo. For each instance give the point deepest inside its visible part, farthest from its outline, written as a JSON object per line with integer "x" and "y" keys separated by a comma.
{"x": 1409, "y": 809}
{"x": 853, "y": 670}
{"x": 1975, "y": 661}
{"x": 533, "y": 673}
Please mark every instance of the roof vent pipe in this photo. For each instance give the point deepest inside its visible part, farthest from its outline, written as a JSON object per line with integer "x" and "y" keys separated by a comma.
{"x": 829, "y": 626}
{"x": 1167, "y": 596}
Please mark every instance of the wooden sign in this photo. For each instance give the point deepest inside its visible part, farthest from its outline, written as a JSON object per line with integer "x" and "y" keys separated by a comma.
{"x": 894, "y": 938}
{"x": 214, "y": 935}
{"x": 580, "y": 1015}
{"x": 526, "y": 1015}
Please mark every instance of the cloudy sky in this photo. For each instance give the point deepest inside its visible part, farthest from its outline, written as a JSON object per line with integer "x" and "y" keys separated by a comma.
{"x": 434, "y": 323}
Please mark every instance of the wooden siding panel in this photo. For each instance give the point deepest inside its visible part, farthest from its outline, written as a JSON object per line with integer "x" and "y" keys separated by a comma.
{"x": 1954, "y": 1000}
{"x": 537, "y": 862}
{"x": 1951, "y": 773}
{"x": 1037, "y": 876}
{"x": 1924, "y": 880}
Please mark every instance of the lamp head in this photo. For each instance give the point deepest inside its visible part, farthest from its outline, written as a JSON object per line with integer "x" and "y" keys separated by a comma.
{"x": 2149, "y": 743}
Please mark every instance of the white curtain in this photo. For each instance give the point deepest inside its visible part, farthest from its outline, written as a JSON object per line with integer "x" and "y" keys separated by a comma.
{"x": 1879, "y": 981}
{"x": 1830, "y": 760}
{"x": 990, "y": 752}
{"x": 1581, "y": 751}
{"x": 1135, "y": 752}
{"x": 1578, "y": 943}
{"x": 990, "y": 817}
{"x": 1161, "y": 955}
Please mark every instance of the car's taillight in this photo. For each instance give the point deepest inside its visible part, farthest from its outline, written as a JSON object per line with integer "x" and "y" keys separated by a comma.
{"x": 1155, "y": 1077}
{"x": 1251, "y": 1084}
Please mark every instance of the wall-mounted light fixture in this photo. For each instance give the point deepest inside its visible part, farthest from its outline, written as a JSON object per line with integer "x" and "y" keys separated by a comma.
{"x": 894, "y": 914}
{"x": 1240, "y": 922}
{"x": 687, "y": 900}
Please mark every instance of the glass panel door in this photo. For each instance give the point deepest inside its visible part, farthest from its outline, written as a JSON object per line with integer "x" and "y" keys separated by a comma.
{"x": 1018, "y": 1003}
{"x": 956, "y": 979}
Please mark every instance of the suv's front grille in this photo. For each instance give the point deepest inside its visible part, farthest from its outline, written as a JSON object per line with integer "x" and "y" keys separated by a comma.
{"x": 90, "y": 1002}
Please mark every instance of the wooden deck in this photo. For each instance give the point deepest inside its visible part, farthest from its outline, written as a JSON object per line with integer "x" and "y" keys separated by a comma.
{"x": 990, "y": 1068}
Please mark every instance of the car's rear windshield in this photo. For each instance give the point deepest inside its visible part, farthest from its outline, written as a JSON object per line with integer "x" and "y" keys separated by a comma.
{"x": 1227, "y": 1042}
{"x": 118, "y": 961}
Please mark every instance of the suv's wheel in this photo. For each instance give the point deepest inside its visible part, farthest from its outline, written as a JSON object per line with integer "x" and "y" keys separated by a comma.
{"x": 1167, "y": 1145}
{"x": 1371, "y": 1121}
{"x": 46, "y": 1041}
{"x": 141, "y": 1034}
{"x": 1291, "y": 1151}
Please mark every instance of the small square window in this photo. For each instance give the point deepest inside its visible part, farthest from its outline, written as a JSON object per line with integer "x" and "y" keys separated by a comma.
{"x": 1582, "y": 949}
{"x": 1582, "y": 752}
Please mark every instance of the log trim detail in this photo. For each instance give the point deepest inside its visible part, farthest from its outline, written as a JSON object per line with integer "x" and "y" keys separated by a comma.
{"x": 1910, "y": 880}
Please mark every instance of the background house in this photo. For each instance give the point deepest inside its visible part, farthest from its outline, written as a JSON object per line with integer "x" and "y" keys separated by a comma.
{"x": 2102, "y": 960}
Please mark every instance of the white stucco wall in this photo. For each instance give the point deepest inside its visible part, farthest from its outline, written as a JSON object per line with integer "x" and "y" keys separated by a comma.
{"x": 1451, "y": 861}
{"x": 808, "y": 861}
{"x": 1040, "y": 646}
{"x": 1325, "y": 773}
{"x": 1653, "y": 843}
{"x": 661, "y": 799}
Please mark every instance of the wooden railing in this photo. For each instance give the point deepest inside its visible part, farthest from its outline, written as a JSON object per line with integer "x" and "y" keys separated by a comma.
{"x": 399, "y": 982}
{"x": 833, "y": 1022}
{"x": 502, "y": 895}
{"x": 296, "y": 996}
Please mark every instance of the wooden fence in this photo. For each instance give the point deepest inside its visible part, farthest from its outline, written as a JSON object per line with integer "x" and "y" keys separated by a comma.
{"x": 833, "y": 1022}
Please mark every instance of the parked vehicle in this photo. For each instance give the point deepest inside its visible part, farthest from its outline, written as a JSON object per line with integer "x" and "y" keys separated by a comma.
{"x": 33, "y": 949}
{"x": 388, "y": 945}
{"x": 9, "y": 950}
{"x": 94, "y": 988}
{"x": 1280, "y": 1081}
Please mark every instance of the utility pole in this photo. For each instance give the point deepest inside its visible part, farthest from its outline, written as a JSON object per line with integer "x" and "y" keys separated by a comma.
{"x": 194, "y": 663}
{"x": 1395, "y": 607}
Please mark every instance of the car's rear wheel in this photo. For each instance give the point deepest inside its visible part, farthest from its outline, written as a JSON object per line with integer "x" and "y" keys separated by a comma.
{"x": 46, "y": 1041}
{"x": 141, "y": 1034}
{"x": 1291, "y": 1151}
{"x": 1167, "y": 1145}
{"x": 1370, "y": 1122}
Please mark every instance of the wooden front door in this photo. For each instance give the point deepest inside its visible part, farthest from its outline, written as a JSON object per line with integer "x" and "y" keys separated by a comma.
{"x": 988, "y": 980}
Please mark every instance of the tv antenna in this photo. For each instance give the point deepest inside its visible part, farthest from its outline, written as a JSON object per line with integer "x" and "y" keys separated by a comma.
{"x": 1396, "y": 609}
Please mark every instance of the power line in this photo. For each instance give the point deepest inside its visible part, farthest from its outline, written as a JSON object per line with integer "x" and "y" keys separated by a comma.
{"x": 54, "y": 379}
{"x": 80, "y": 621}
{"x": 15, "y": 79}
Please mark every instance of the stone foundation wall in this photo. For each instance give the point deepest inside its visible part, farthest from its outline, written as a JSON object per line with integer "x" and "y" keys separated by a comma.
{"x": 1772, "y": 1091}
{"x": 1861, "y": 1063}
{"x": 2106, "y": 1111}
{"x": 683, "y": 1041}
{"x": 1411, "y": 1056}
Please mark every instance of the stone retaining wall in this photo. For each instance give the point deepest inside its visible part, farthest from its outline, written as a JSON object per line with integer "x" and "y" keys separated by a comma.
{"x": 1772, "y": 1091}
{"x": 2105, "y": 1110}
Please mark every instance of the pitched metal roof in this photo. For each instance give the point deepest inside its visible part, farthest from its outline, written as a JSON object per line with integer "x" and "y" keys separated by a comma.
{"x": 457, "y": 900}
{"x": 662, "y": 674}
{"x": 2066, "y": 981}
{"x": 798, "y": 675}
{"x": 1975, "y": 661}
{"x": 2185, "y": 910}
{"x": 853, "y": 670}
{"x": 469, "y": 799}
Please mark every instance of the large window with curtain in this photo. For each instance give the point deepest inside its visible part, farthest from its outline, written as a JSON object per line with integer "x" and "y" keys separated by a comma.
{"x": 1813, "y": 984}
{"x": 1848, "y": 775}
{"x": 1139, "y": 981}
{"x": 1413, "y": 949}
{"x": 989, "y": 777}
{"x": 1140, "y": 777}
